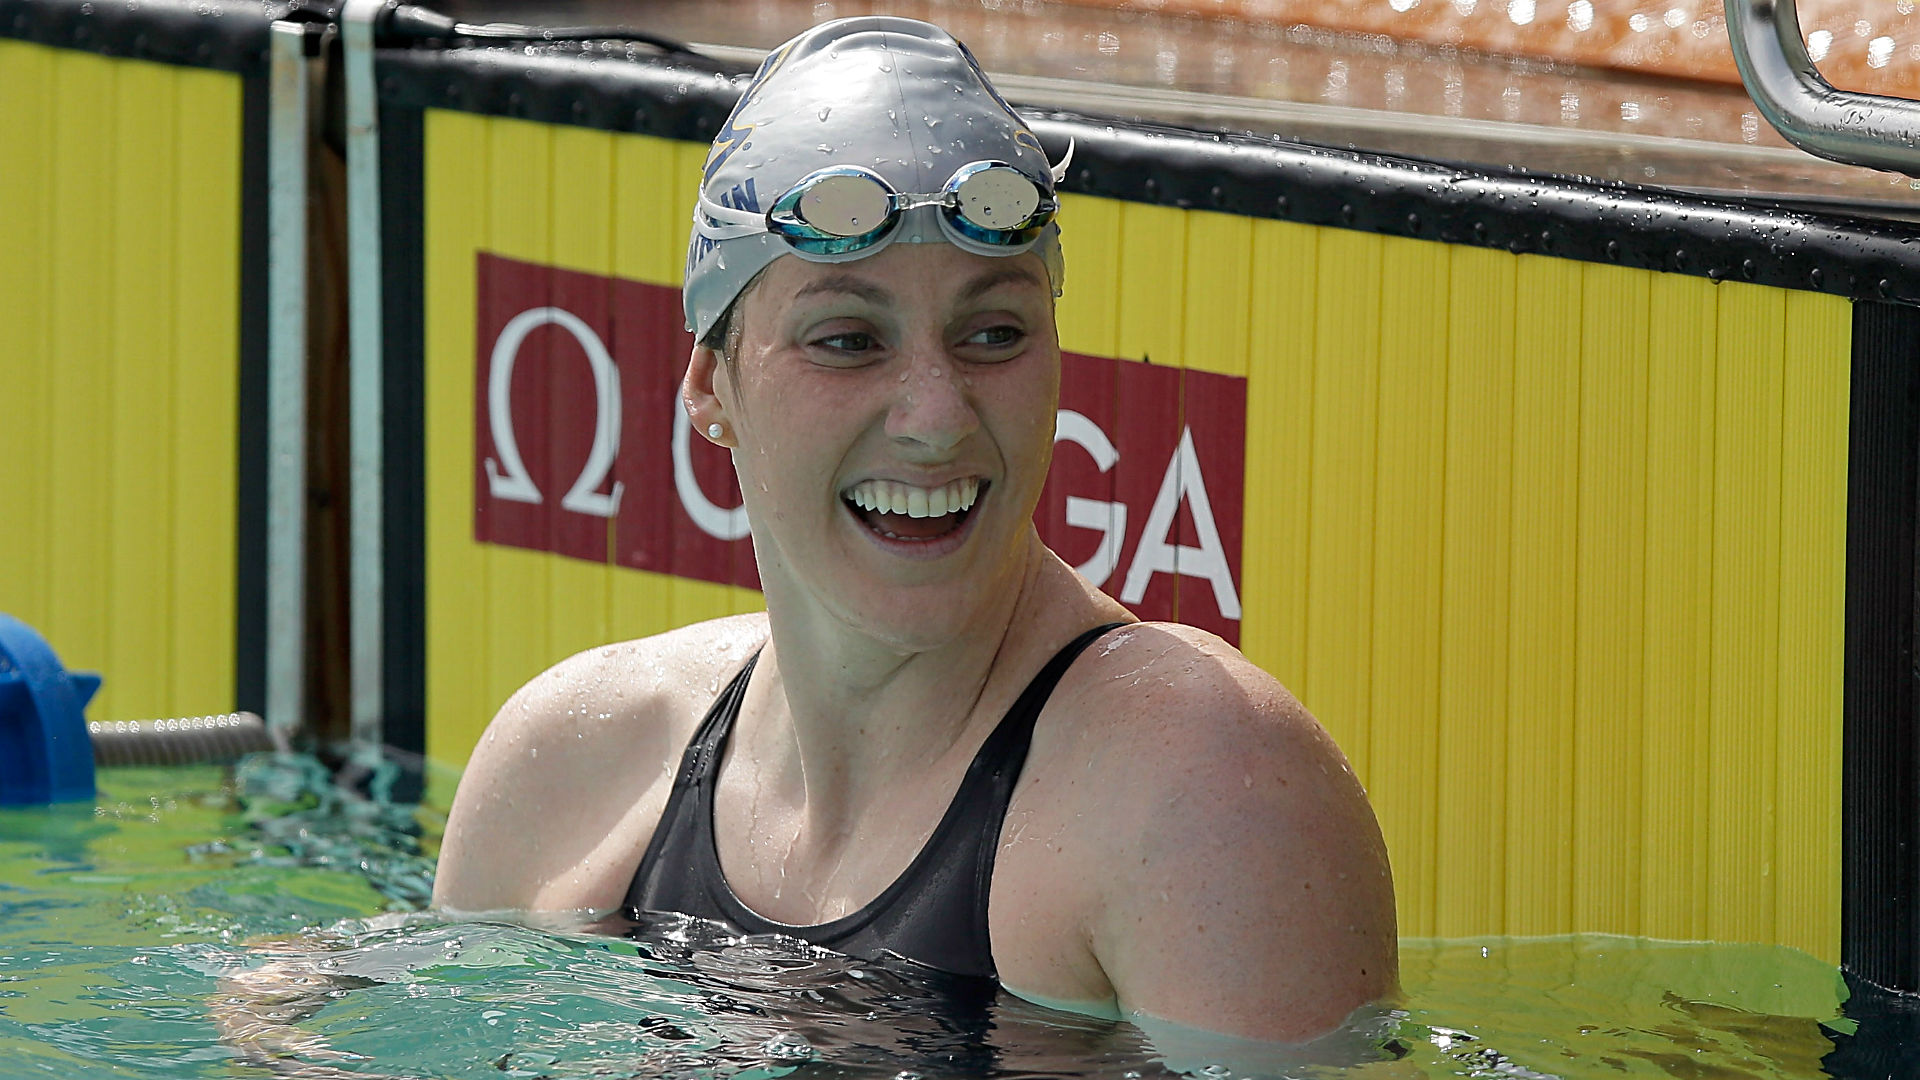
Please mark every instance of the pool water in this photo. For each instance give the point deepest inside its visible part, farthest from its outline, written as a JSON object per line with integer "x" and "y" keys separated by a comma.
{"x": 260, "y": 921}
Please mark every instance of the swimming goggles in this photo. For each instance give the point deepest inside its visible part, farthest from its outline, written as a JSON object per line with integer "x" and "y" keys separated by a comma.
{"x": 849, "y": 208}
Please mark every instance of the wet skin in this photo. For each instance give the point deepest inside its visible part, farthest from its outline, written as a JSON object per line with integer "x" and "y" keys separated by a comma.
{"x": 1185, "y": 841}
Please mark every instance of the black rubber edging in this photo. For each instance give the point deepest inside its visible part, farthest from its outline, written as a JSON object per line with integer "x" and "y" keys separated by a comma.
{"x": 250, "y": 509}
{"x": 1880, "y": 860}
{"x": 1647, "y": 228}
{"x": 403, "y": 618}
{"x": 228, "y": 35}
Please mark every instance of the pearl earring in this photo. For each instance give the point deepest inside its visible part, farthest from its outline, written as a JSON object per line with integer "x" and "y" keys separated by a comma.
{"x": 714, "y": 431}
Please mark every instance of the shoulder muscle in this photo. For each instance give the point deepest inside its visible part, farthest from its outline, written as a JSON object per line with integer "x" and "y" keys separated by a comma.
{"x": 554, "y": 783}
{"x": 1250, "y": 890}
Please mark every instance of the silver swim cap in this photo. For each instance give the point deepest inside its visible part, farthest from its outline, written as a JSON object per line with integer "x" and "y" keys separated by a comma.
{"x": 896, "y": 96}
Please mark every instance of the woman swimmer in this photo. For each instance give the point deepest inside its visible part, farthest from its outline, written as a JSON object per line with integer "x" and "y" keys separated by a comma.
{"x": 912, "y": 752}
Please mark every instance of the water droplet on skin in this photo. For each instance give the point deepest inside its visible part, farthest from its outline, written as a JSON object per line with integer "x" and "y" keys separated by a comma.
{"x": 533, "y": 751}
{"x": 825, "y": 111}
{"x": 824, "y": 148}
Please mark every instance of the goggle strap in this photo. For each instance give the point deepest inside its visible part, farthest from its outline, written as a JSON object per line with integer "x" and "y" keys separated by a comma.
{"x": 718, "y": 222}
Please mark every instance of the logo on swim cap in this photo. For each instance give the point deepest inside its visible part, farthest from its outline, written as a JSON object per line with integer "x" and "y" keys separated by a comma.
{"x": 733, "y": 136}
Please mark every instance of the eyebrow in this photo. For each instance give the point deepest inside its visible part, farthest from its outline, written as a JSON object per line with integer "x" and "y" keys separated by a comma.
{"x": 846, "y": 283}
{"x": 986, "y": 283}
{"x": 873, "y": 294}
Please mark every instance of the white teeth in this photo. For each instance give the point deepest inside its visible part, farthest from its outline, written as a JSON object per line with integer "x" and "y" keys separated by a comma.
{"x": 893, "y": 497}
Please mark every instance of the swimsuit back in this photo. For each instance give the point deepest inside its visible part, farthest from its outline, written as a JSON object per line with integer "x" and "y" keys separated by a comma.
{"x": 934, "y": 914}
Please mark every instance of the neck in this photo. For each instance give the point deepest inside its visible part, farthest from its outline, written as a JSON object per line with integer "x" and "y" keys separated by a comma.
{"x": 836, "y": 714}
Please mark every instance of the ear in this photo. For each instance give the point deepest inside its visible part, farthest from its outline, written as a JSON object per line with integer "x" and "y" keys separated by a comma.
{"x": 699, "y": 397}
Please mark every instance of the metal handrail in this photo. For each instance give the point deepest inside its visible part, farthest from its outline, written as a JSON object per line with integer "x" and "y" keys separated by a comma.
{"x": 287, "y": 126}
{"x": 366, "y": 368}
{"x": 1858, "y": 129}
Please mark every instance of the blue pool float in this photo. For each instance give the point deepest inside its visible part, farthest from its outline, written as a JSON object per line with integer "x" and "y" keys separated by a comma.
{"x": 45, "y": 753}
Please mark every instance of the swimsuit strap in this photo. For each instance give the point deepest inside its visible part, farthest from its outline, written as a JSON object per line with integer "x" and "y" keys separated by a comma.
{"x": 934, "y": 914}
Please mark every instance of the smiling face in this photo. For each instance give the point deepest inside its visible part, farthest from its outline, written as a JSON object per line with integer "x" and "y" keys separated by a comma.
{"x": 892, "y": 420}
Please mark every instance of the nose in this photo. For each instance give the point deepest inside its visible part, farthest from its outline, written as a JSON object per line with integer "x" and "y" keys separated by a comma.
{"x": 933, "y": 410}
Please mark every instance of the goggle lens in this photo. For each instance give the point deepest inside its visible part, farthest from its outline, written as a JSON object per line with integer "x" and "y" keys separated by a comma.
{"x": 997, "y": 198}
{"x": 844, "y": 205}
{"x": 847, "y": 208}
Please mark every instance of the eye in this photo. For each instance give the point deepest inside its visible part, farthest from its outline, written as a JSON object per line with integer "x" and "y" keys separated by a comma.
{"x": 840, "y": 344}
{"x": 848, "y": 341}
{"x": 997, "y": 338}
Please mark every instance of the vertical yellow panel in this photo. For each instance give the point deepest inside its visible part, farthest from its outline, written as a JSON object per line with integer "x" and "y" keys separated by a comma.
{"x": 1813, "y": 553}
{"x": 680, "y": 193}
{"x": 1152, "y": 260}
{"x": 140, "y": 311}
{"x": 1546, "y": 425}
{"x": 1746, "y": 613}
{"x": 79, "y": 613}
{"x": 689, "y": 601}
{"x": 1471, "y": 758}
{"x": 1340, "y": 544}
{"x": 649, "y": 244}
{"x": 1408, "y": 510}
{"x": 698, "y": 601}
{"x": 519, "y": 225}
{"x": 1089, "y": 310}
{"x": 1273, "y": 631}
{"x": 1683, "y": 321}
{"x": 26, "y": 248}
{"x": 1610, "y": 602}
{"x": 649, "y": 238}
{"x": 206, "y": 390}
{"x": 1214, "y": 318}
{"x": 1215, "y": 311}
{"x": 582, "y": 198}
{"x": 456, "y": 167}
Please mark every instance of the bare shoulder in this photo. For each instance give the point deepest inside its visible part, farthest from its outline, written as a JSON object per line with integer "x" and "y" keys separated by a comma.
{"x": 1246, "y": 884}
{"x": 561, "y": 782}
{"x": 626, "y": 690}
{"x": 1188, "y": 695}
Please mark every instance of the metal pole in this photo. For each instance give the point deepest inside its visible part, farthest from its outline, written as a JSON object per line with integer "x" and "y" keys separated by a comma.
{"x": 1859, "y": 129}
{"x": 287, "y": 379}
{"x": 366, "y": 649}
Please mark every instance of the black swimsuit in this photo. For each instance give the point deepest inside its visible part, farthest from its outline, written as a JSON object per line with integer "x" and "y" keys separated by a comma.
{"x": 934, "y": 914}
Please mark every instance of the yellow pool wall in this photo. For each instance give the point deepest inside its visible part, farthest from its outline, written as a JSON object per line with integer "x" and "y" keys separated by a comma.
{"x": 1556, "y": 550}
{"x": 119, "y": 358}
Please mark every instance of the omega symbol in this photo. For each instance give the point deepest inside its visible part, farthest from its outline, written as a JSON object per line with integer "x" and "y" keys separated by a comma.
{"x": 507, "y": 479}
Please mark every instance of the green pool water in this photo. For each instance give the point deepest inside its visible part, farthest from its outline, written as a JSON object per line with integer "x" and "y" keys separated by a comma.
{"x": 260, "y": 921}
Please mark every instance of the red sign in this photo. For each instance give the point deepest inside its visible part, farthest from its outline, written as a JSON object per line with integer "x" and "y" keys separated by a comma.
{"x": 581, "y": 448}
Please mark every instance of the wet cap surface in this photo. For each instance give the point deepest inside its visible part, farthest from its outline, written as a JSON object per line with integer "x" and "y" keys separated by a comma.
{"x": 897, "y": 96}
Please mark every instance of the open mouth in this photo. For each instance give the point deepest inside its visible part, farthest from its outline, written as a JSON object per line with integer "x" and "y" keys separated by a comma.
{"x": 909, "y": 514}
